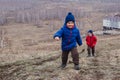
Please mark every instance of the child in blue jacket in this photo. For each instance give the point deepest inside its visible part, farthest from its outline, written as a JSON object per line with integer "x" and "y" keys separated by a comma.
{"x": 70, "y": 37}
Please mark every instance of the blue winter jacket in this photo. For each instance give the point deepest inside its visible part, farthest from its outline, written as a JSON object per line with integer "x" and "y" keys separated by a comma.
{"x": 70, "y": 37}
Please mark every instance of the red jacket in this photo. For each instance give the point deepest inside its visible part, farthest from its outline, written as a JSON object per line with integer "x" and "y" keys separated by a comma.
{"x": 91, "y": 41}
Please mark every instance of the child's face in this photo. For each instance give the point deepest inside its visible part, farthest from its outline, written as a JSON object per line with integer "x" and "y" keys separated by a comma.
{"x": 89, "y": 34}
{"x": 70, "y": 24}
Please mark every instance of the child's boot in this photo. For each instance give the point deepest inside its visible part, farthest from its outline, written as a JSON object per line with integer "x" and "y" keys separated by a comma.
{"x": 89, "y": 55}
{"x": 77, "y": 67}
{"x": 63, "y": 66}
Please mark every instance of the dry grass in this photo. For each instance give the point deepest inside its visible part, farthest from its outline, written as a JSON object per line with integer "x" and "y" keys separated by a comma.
{"x": 29, "y": 45}
{"x": 34, "y": 55}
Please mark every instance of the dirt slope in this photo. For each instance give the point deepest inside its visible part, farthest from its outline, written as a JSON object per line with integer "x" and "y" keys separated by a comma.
{"x": 105, "y": 66}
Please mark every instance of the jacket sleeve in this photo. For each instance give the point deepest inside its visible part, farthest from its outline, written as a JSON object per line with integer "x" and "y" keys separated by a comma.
{"x": 79, "y": 39}
{"x": 87, "y": 40}
{"x": 58, "y": 33}
{"x": 95, "y": 41}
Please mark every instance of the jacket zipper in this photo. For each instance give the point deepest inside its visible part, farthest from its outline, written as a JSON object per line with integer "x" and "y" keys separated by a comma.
{"x": 69, "y": 37}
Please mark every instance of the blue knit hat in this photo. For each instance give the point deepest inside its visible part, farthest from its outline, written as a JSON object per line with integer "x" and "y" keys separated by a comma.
{"x": 69, "y": 17}
{"x": 90, "y": 31}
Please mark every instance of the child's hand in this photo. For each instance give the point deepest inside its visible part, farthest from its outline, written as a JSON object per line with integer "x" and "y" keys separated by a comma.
{"x": 57, "y": 38}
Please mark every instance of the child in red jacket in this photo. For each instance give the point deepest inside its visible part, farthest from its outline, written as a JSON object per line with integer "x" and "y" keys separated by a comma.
{"x": 91, "y": 42}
